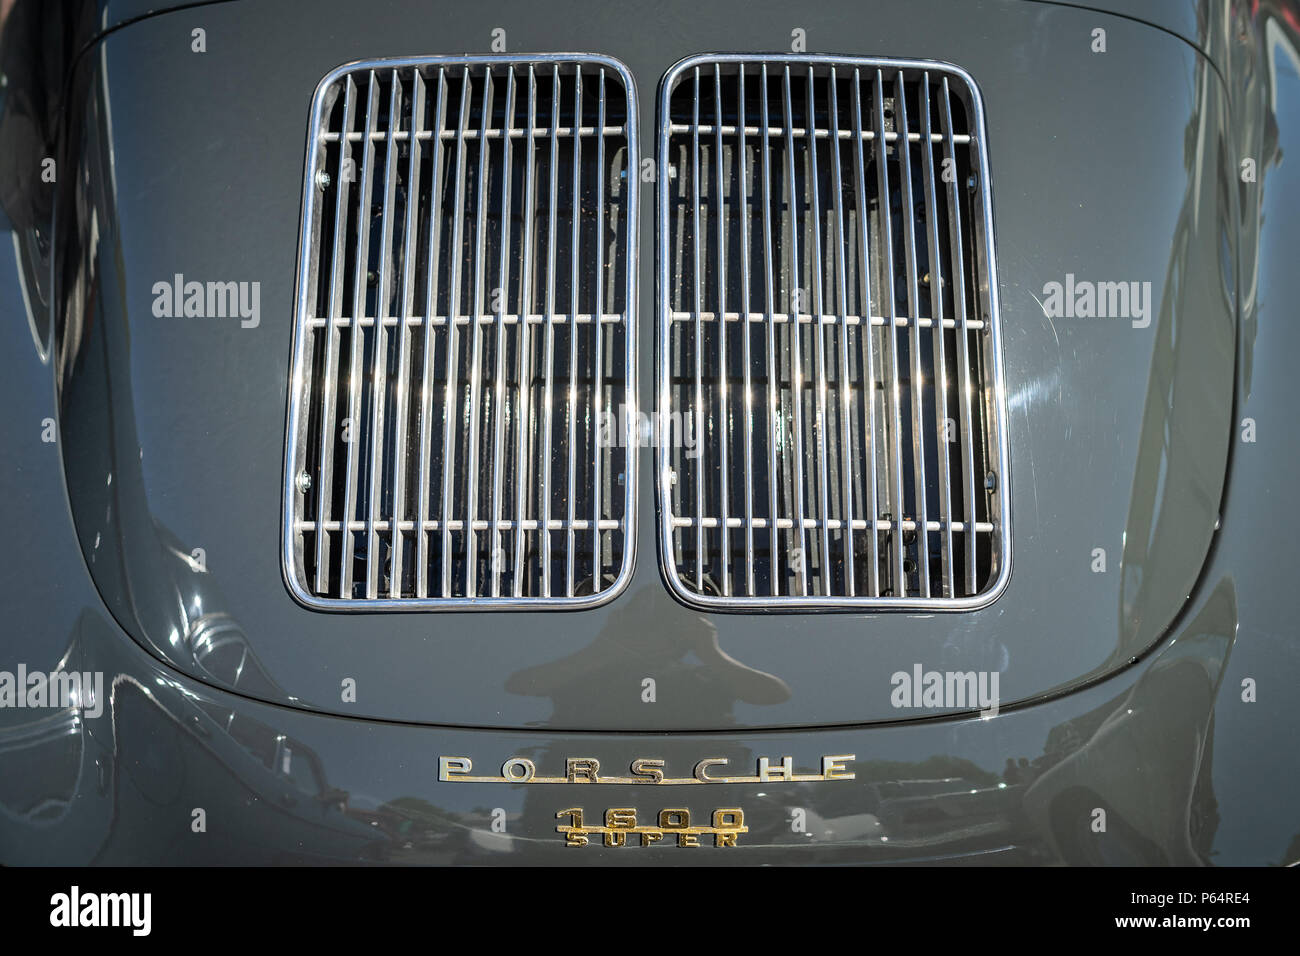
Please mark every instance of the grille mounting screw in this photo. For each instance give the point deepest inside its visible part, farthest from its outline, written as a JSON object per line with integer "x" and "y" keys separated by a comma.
{"x": 304, "y": 482}
{"x": 323, "y": 179}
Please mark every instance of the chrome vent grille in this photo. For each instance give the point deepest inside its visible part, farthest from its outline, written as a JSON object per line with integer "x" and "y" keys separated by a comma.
{"x": 828, "y": 337}
{"x": 464, "y": 322}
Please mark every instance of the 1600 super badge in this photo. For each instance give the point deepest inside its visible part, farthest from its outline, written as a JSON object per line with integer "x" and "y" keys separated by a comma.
{"x": 725, "y": 826}
{"x": 647, "y": 770}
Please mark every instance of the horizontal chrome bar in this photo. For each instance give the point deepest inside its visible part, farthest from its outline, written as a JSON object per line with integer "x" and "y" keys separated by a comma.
{"x": 801, "y": 132}
{"x": 473, "y": 134}
{"x": 805, "y": 318}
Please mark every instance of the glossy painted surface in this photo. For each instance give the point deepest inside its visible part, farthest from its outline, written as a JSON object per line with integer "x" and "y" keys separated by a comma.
{"x": 1188, "y": 771}
{"x": 178, "y": 423}
{"x": 1159, "y": 746}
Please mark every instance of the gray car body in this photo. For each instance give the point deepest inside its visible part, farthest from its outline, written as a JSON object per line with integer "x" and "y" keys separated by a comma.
{"x": 1121, "y": 690}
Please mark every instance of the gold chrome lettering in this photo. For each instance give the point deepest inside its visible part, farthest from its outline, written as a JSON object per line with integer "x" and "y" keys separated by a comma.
{"x": 620, "y": 823}
{"x": 833, "y": 767}
{"x": 522, "y": 763}
{"x": 648, "y": 768}
{"x": 452, "y": 765}
{"x": 765, "y": 771}
{"x": 650, "y": 771}
{"x": 582, "y": 769}
{"x": 701, "y": 768}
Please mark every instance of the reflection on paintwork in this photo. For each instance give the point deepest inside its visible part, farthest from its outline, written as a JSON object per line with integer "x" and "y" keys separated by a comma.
{"x": 676, "y": 648}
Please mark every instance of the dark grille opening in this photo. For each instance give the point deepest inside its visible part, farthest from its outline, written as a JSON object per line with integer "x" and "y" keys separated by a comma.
{"x": 463, "y": 324}
{"x": 827, "y": 321}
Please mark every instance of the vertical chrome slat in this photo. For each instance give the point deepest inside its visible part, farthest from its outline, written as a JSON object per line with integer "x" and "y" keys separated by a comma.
{"x": 347, "y": 545}
{"x": 699, "y": 340}
{"x": 823, "y": 492}
{"x": 453, "y": 311}
{"x": 571, "y": 489}
{"x": 742, "y": 156}
{"x": 403, "y": 357}
{"x": 430, "y": 306}
{"x": 719, "y": 203}
{"x": 495, "y": 564}
{"x": 476, "y": 340}
{"x": 842, "y": 307}
{"x": 868, "y": 338}
{"x": 325, "y": 493}
{"x": 963, "y": 345}
{"x": 914, "y": 325}
{"x": 379, "y": 367}
{"x": 796, "y": 374}
{"x": 769, "y": 320}
{"x": 940, "y": 360}
{"x": 598, "y": 381}
{"x": 550, "y": 333}
{"x": 524, "y": 418}
{"x": 889, "y": 310}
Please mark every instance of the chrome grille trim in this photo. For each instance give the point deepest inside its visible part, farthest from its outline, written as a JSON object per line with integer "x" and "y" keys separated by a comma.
{"x": 805, "y": 474}
{"x": 449, "y": 387}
